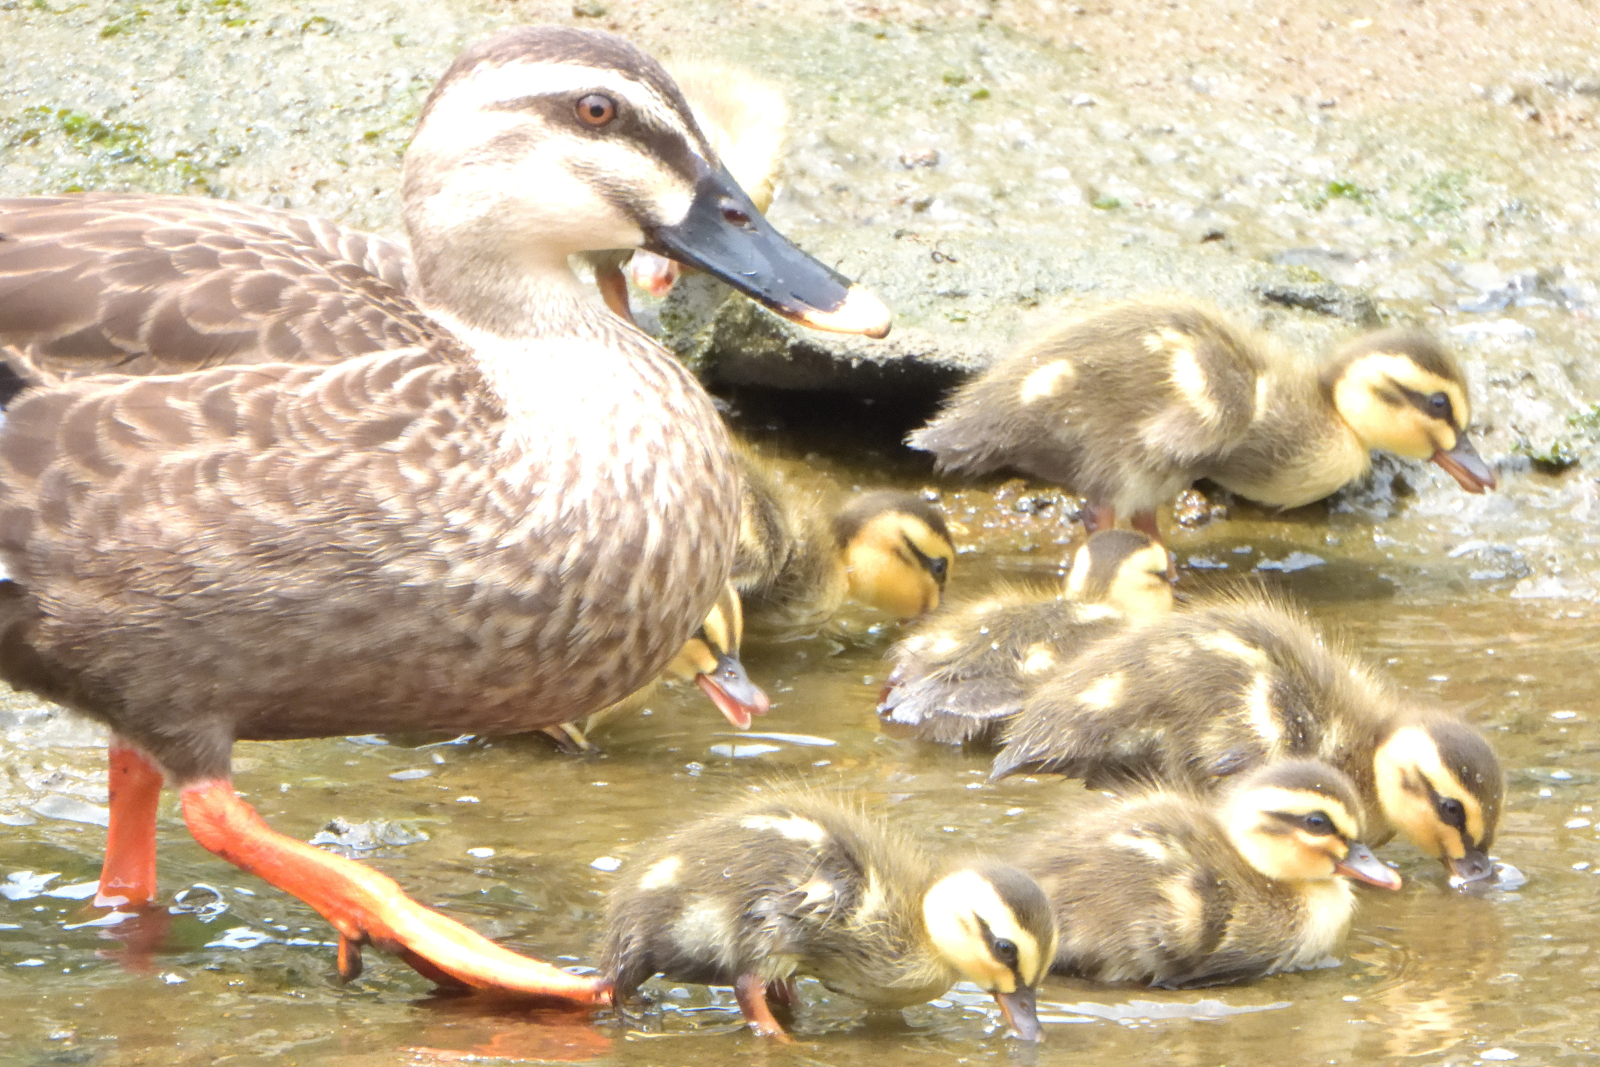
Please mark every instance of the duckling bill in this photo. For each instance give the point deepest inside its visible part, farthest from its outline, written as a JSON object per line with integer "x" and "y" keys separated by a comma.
{"x": 795, "y": 883}
{"x": 1132, "y": 404}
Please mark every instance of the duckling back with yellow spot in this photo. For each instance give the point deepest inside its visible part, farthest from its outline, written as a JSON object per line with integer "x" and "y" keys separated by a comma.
{"x": 793, "y": 882}
{"x": 1202, "y": 695}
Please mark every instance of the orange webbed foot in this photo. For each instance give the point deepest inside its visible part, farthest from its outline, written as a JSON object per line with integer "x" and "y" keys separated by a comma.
{"x": 368, "y": 907}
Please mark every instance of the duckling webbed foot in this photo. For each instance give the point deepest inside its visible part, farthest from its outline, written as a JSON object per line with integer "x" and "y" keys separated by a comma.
{"x": 752, "y": 993}
{"x": 366, "y": 906}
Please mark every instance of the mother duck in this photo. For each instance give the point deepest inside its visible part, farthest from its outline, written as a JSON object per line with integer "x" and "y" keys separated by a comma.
{"x": 504, "y": 526}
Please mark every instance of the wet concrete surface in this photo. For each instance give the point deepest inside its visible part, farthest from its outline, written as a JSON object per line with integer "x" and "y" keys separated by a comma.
{"x": 985, "y": 167}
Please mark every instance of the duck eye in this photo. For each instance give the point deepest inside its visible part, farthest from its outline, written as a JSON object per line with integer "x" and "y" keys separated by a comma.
{"x": 1006, "y": 952}
{"x": 1452, "y": 812}
{"x": 1317, "y": 823}
{"x": 938, "y": 567}
{"x": 596, "y": 110}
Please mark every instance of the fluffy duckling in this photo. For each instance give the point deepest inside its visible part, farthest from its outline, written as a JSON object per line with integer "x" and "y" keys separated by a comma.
{"x": 1131, "y": 405}
{"x": 795, "y": 883}
{"x": 1207, "y": 694}
{"x": 1172, "y": 889}
{"x": 710, "y": 659}
{"x": 796, "y": 564}
{"x": 746, "y": 121}
{"x": 962, "y": 675}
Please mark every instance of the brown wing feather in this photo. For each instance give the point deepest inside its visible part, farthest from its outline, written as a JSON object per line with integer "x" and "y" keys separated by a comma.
{"x": 146, "y": 284}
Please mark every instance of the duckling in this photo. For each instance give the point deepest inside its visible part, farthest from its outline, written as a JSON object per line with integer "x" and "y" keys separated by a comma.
{"x": 1171, "y": 888}
{"x": 796, "y": 883}
{"x": 1134, "y": 403}
{"x": 1206, "y": 694}
{"x": 745, "y": 119}
{"x": 888, "y": 549}
{"x": 508, "y": 520}
{"x": 710, "y": 659}
{"x": 962, "y": 675}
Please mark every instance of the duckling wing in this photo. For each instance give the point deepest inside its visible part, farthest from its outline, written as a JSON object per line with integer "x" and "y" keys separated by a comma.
{"x": 143, "y": 284}
{"x": 970, "y": 672}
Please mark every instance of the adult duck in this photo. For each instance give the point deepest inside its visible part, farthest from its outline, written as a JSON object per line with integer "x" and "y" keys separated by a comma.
{"x": 508, "y": 524}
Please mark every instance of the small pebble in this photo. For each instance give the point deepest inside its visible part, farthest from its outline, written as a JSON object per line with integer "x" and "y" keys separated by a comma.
{"x": 1563, "y": 715}
{"x": 468, "y": 800}
{"x": 1561, "y": 776}
{"x": 1576, "y": 824}
{"x": 606, "y": 863}
{"x": 1497, "y": 1054}
{"x": 480, "y": 853}
{"x": 413, "y": 774}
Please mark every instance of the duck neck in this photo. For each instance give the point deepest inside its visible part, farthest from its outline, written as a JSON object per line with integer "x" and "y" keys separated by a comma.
{"x": 533, "y": 297}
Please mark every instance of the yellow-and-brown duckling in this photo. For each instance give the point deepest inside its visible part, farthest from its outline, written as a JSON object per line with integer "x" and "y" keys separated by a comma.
{"x": 1172, "y": 888}
{"x": 709, "y": 659}
{"x": 478, "y": 503}
{"x": 796, "y": 883}
{"x": 796, "y": 562}
{"x": 1132, "y": 404}
{"x": 964, "y": 673}
{"x": 1203, "y": 695}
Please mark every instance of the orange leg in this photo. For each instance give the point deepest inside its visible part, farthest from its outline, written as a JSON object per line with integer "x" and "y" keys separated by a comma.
{"x": 128, "y": 875}
{"x": 1145, "y": 523}
{"x": 751, "y": 992}
{"x": 367, "y": 907}
{"x": 614, "y": 290}
{"x": 1097, "y": 517}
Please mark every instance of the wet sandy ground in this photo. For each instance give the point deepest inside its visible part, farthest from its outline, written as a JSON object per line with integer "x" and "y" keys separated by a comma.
{"x": 1464, "y": 161}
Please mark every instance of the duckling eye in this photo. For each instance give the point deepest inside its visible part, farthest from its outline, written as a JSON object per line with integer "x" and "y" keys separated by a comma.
{"x": 1006, "y": 952}
{"x": 1439, "y": 404}
{"x": 1452, "y": 812}
{"x": 1317, "y": 823}
{"x": 938, "y": 566}
{"x": 596, "y": 110}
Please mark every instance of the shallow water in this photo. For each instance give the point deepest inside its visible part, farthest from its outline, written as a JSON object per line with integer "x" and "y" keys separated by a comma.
{"x": 1484, "y": 604}
{"x": 246, "y": 975}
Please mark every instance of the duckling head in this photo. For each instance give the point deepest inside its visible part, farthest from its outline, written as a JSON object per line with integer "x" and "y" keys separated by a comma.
{"x": 897, "y": 551}
{"x": 711, "y": 659}
{"x": 1300, "y": 821}
{"x": 1125, "y": 569}
{"x": 995, "y": 925}
{"x": 541, "y": 142}
{"x": 1441, "y": 785}
{"x": 1399, "y": 391}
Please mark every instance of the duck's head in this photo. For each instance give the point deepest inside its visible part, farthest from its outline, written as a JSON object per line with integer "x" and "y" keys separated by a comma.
{"x": 1441, "y": 785}
{"x": 897, "y": 551}
{"x": 541, "y": 142}
{"x": 1300, "y": 821}
{"x": 995, "y": 925}
{"x": 711, "y": 659}
{"x": 1124, "y": 569}
{"x": 1402, "y": 393}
